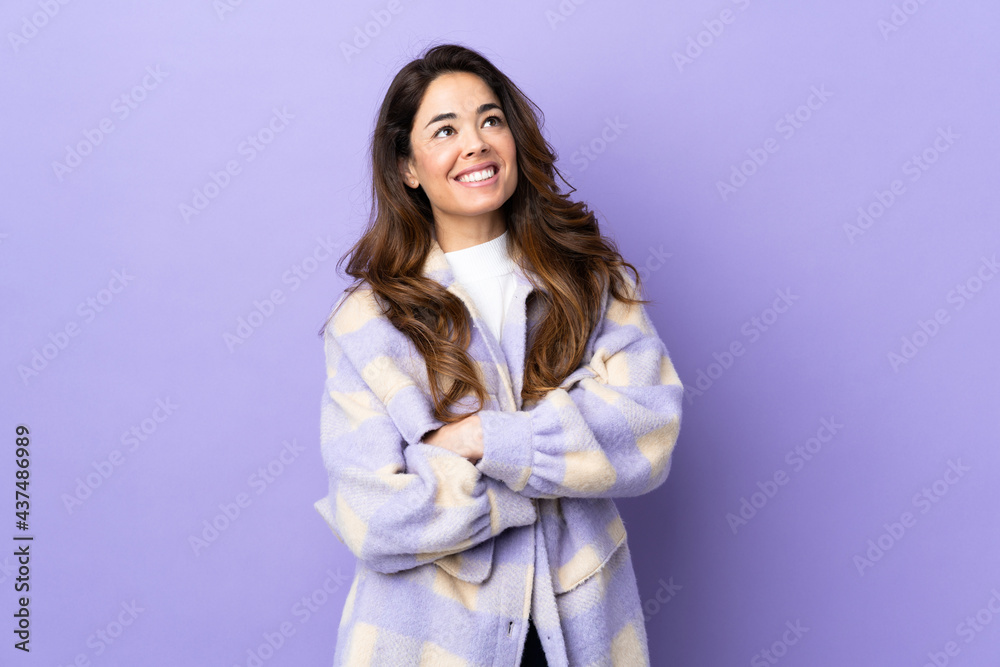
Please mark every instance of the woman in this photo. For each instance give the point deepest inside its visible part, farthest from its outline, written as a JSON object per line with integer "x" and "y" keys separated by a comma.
{"x": 493, "y": 381}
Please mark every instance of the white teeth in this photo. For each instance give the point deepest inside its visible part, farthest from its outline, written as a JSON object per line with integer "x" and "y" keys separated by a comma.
{"x": 478, "y": 175}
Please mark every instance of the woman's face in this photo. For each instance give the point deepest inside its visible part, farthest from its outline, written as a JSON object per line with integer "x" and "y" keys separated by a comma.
{"x": 460, "y": 130}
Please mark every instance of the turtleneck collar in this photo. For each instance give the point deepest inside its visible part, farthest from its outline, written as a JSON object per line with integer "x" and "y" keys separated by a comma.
{"x": 485, "y": 260}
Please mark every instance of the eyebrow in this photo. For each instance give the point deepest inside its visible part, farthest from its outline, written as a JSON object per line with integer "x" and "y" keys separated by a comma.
{"x": 451, "y": 114}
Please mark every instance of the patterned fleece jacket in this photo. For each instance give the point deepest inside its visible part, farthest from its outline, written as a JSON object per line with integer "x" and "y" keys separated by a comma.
{"x": 452, "y": 556}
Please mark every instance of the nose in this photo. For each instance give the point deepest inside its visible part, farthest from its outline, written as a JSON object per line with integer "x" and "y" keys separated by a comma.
{"x": 477, "y": 144}
{"x": 482, "y": 148}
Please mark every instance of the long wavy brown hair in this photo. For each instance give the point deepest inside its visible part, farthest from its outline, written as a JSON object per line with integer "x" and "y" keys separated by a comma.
{"x": 558, "y": 238}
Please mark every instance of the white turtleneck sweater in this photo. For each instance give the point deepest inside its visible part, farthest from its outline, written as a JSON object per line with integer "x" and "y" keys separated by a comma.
{"x": 486, "y": 271}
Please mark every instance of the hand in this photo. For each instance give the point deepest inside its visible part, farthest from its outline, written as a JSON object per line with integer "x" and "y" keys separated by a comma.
{"x": 464, "y": 437}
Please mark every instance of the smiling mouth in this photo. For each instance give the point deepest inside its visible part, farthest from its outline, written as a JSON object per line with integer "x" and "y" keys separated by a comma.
{"x": 478, "y": 176}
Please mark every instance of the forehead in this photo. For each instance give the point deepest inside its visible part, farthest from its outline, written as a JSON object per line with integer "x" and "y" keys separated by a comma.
{"x": 455, "y": 92}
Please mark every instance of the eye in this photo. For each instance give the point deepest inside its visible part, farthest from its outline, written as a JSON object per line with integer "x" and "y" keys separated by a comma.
{"x": 498, "y": 119}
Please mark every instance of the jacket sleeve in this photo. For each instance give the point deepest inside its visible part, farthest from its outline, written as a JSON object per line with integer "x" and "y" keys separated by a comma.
{"x": 398, "y": 504}
{"x": 609, "y": 430}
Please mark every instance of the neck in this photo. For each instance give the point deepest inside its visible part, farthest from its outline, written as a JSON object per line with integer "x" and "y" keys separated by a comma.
{"x": 452, "y": 236}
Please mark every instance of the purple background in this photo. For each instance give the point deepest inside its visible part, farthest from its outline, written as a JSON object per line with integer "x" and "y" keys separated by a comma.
{"x": 645, "y": 138}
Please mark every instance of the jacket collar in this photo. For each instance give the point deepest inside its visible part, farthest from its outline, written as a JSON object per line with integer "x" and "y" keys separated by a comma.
{"x": 510, "y": 353}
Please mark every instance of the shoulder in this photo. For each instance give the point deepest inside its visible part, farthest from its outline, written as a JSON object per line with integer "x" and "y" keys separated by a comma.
{"x": 618, "y": 310}
{"x": 620, "y": 318}
{"x": 360, "y": 331}
{"x": 355, "y": 310}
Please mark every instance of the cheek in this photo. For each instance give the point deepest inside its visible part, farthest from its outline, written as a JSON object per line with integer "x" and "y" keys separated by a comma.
{"x": 510, "y": 150}
{"x": 511, "y": 159}
{"x": 440, "y": 165}
{"x": 430, "y": 164}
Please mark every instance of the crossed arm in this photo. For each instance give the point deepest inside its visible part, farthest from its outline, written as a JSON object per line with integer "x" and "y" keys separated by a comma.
{"x": 609, "y": 430}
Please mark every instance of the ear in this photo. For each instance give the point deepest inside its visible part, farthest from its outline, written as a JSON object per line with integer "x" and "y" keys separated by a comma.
{"x": 406, "y": 173}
